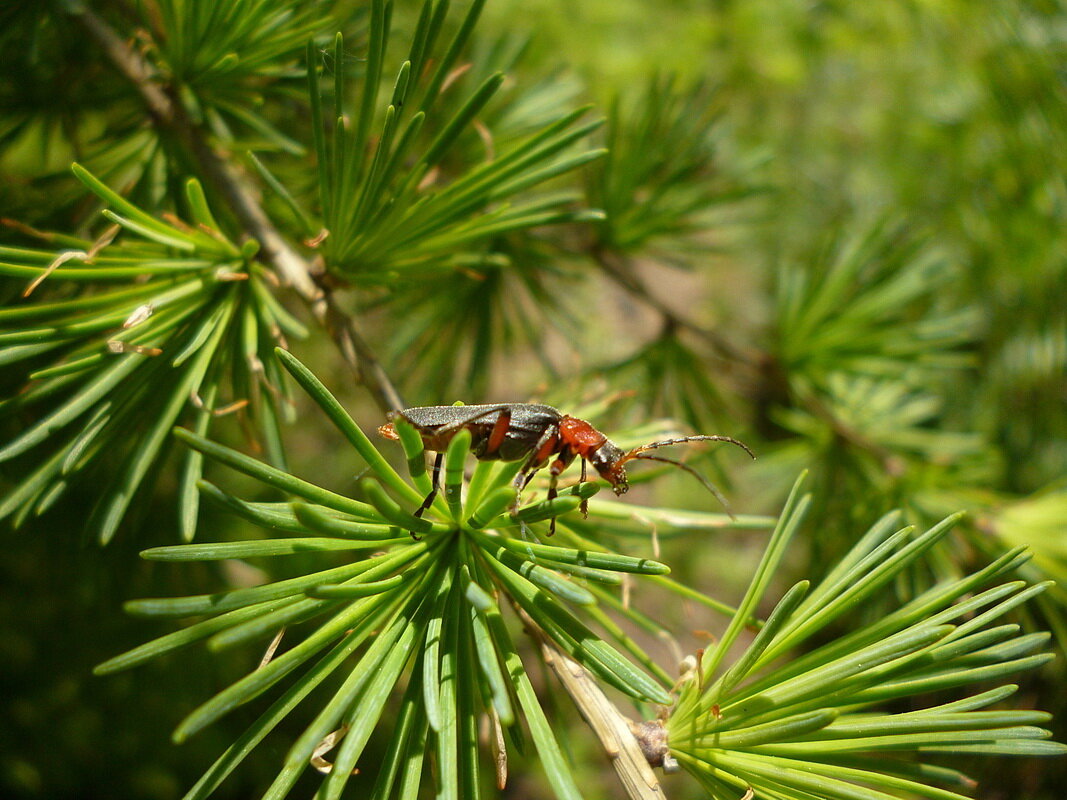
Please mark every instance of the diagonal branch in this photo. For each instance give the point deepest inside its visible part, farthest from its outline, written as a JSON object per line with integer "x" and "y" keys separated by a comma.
{"x": 625, "y": 742}
{"x": 618, "y": 734}
{"x": 621, "y": 270}
{"x": 294, "y": 269}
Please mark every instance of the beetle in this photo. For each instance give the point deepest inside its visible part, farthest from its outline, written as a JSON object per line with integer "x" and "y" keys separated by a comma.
{"x": 534, "y": 433}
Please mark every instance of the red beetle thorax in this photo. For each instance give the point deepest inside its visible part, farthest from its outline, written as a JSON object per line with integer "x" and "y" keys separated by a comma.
{"x": 580, "y": 436}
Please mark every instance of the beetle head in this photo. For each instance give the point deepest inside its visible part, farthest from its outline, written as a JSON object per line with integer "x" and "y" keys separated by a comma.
{"x": 607, "y": 460}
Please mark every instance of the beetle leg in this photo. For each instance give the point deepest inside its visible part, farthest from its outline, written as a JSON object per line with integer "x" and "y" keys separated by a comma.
{"x": 544, "y": 448}
{"x": 560, "y": 464}
{"x": 539, "y": 456}
{"x": 584, "y": 505}
{"x": 535, "y": 461}
{"x": 519, "y": 483}
{"x": 521, "y": 480}
{"x": 439, "y": 459}
{"x": 551, "y": 496}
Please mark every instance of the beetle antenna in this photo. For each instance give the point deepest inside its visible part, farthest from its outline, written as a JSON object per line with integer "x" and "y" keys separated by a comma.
{"x": 638, "y": 453}
{"x": 707, "y": 484}
{"x": 715, "y": 438}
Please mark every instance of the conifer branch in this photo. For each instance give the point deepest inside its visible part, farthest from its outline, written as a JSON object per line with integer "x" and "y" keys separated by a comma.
{"x": 615, "y": 731}
{"x": 294, "y": 270}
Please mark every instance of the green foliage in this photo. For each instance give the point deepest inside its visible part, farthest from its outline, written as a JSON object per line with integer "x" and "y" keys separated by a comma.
{"x": 862, "y": 346}
{"x": 428, "y": 603}
{"x": 379, "y": 213}
{"x": 664, "y": 186}
{"x": 386, "y": 220}
{"x": 518, "y": 298}
{"x": 661, "y": 176}
{"x": 232, "y": 62}
{"x": 833, "y": 230}
{"x": 868, "y": 307}
{"x": 226, "y": 45}
{"x": 51, "y": 114}
{"x": 183, "y": 326}
{"x": 423, "y": 612}
{"x": 813, "y": 725}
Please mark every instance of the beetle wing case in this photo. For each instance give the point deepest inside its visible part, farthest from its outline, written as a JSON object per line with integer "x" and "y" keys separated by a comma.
{"x": 528, "y": 422}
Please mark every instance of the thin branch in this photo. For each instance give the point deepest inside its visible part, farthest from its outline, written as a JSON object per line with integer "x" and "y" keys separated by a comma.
{"x": 617, "y": 733}
{"x": 621, "y": 270}
{"x": 357, "y": 353}
{"x": 632, "y": 757}
{"x": 294, "y": 270}
{"x": 892, "y": 463}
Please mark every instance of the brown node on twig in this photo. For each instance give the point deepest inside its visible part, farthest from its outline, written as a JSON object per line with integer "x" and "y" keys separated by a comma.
{"x": 428, "y": 180}
{"x": 139, "y": 315}
{"x": 487, "y": 139}
{"x": 652, "y": 739}
{"x": 178, "y": 222}
{"x": 57, "y": 262}
{"x": 272, "y": 648}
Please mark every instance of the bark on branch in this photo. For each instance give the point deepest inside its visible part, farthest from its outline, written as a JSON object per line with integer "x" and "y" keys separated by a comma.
{"x": 294, "y": 270}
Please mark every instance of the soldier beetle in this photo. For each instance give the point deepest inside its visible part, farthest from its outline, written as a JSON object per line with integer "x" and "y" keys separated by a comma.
{"x": 534, "y": 432}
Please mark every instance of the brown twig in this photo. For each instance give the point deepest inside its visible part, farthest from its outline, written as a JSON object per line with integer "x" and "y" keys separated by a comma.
{"x": 293, "y": 269}
{"x": 890, "y": 461}
{"x": 621, "y": 270}
{"x": 632, "y": 753}
{"x": 621, "y": 738}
